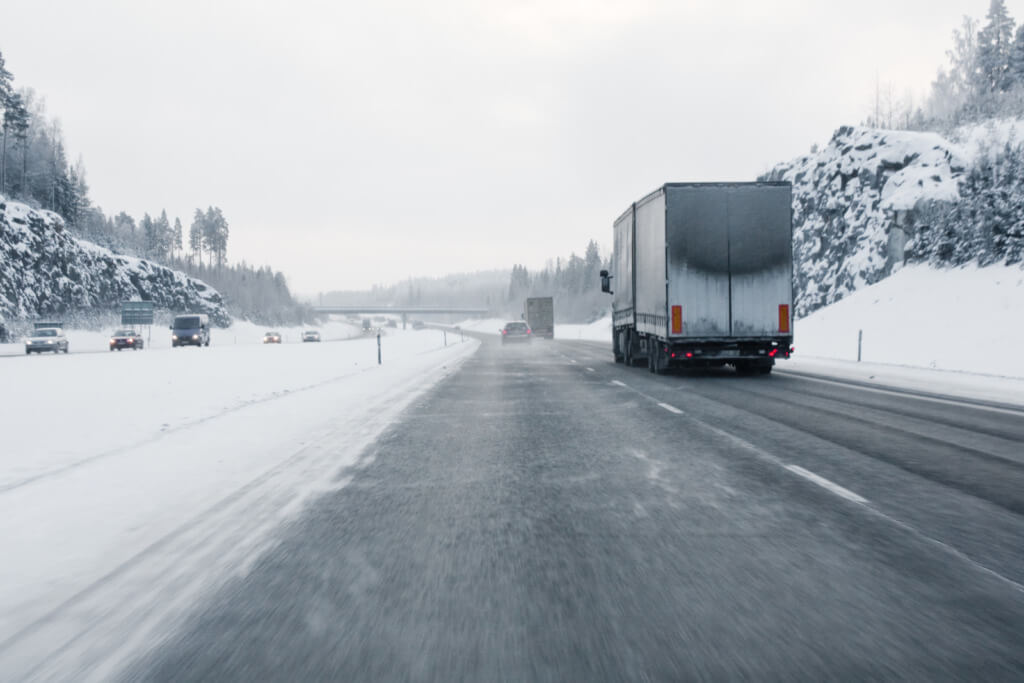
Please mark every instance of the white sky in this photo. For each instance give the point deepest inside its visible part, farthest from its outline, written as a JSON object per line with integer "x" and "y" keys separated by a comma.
{"x": 352, "y": 143}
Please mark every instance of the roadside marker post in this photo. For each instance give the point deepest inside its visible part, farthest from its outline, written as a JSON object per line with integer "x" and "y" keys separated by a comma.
{"x": 378, "y": 349}
{"x": 445, "y": 337}
{"x": 860, "y": 339}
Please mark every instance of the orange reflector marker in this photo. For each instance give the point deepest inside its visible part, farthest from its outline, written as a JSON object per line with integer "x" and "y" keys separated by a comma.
{"x": 784, "y": 318}
{"x": 677, "y": 320}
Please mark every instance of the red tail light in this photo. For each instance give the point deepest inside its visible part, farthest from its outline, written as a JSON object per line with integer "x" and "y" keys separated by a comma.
{"x": 771, "y": 354}
{"x": 689, "y": 355}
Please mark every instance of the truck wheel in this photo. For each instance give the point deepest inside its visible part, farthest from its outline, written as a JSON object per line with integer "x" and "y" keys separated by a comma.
{"x": 765, "y": 370}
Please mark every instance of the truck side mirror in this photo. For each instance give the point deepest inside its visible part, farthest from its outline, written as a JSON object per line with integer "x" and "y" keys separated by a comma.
{"x": 606, "y": 282}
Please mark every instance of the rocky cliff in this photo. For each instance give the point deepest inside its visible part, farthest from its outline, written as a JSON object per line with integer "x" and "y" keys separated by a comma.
{"x": 45, "y": 271}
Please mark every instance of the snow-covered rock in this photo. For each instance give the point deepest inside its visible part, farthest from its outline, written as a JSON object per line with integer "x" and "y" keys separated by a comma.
{"x": 46, "y": 271}
{"x": 851, "y": 200}
{"x": 855, "y": 201}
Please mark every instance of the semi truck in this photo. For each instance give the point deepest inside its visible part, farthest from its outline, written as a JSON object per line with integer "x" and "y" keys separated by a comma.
{"x": 539, "y": 314}
{"x": 702, "y": 276}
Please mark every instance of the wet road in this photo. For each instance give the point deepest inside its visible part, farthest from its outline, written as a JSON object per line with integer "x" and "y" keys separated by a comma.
{"x": 546, "y": 515}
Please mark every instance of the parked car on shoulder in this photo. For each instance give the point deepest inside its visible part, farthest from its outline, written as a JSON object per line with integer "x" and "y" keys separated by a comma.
{"x": 272, "y": 338}
{"x": 310, "y": 336}
{"x": 46, "y": 339}
{"x": 126, "y": 339}
{"x": 515, "y": 332}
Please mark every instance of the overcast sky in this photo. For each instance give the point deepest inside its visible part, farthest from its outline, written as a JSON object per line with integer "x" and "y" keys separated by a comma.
{"x": 358, "y": 143}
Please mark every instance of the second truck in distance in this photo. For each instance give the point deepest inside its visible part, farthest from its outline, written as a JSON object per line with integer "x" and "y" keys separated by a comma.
{"x": 703, "y": 276}
{"x": 539, "y": 314}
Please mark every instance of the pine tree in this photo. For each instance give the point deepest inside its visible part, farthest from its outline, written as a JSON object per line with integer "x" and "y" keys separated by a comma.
{"x": 6, "y": 82}
{"x": 164, "y": 236}
{"x": 20, "y": 129}
{"x": 994, "y": 46}
{"x": 149, "y": 237}
{"x": 1017, "y": 59}
{"x": 177, "y": 235}
{"x": 196, "y": 234}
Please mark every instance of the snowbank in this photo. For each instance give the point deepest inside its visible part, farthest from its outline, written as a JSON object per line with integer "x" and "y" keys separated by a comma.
{"x": 961, "y": 319}
{"x": 133, "y": 480}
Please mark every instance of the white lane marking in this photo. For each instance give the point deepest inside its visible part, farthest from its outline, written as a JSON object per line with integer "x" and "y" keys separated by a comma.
{"x": 870, "y": 509}
{"x": 671, "y": 409}
{"x": 909, "y": 393}
{"x": 590, "y": 369}
{"x": 826, "y": 484}
{"x": 866, "y": 506}
{"x": 572, "y": 360}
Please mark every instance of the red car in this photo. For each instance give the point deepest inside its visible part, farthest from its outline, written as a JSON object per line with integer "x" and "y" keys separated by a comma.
{"x": 126, "y": 339}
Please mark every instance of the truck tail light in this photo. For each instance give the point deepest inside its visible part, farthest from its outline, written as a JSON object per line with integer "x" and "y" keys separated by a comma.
{"x": 771, "y": 354}
{"x": 784, "y": 318}
{"x": 689, "y": 354}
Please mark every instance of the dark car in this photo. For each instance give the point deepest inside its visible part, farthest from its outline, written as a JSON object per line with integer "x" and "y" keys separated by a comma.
{"x": 126, "y": 339}
{"x": 192, "y": 329}
{"x": 515, "y": 332}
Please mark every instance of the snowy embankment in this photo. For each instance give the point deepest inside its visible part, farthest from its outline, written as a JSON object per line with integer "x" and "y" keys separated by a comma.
{"x": 131, "y": 483}
{"x": 966, "y": 319}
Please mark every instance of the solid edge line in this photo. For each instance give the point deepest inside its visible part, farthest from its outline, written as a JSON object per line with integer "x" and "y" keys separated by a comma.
{"x": 826, "y": 484}
{"x": 981, "y": 404}
{"x": 671, "y": 409}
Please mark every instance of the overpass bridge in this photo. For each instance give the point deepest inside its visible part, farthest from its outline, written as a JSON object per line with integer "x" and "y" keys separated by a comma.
{"x": 404, "y": 311}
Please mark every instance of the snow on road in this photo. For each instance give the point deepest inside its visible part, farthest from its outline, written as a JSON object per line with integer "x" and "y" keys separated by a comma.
{"x": 131, "y": 482}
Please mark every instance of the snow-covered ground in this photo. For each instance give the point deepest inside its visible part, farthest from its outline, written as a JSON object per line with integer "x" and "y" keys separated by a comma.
{"x": 956, "y": 319}
{"x": 122, "y": 474}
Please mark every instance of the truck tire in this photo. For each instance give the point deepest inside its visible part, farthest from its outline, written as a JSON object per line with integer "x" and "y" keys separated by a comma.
{"x": 765, "y": 370}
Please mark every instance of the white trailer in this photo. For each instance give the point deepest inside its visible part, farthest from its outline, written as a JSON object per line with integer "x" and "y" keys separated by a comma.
{"x": 703, "y": 276}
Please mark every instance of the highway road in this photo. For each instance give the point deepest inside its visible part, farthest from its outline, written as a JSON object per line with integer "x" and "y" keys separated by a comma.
{"x": 544, "y": 514}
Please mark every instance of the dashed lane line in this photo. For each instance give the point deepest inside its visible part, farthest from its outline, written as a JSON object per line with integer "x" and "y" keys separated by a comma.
{"x": 826, "y": 484}
{"x": 671, "y": 409}
{"x": 844, "y": 493}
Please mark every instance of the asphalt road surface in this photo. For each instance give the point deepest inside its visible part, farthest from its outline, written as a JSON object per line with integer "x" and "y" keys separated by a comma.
{"x": 546, "y": 515}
